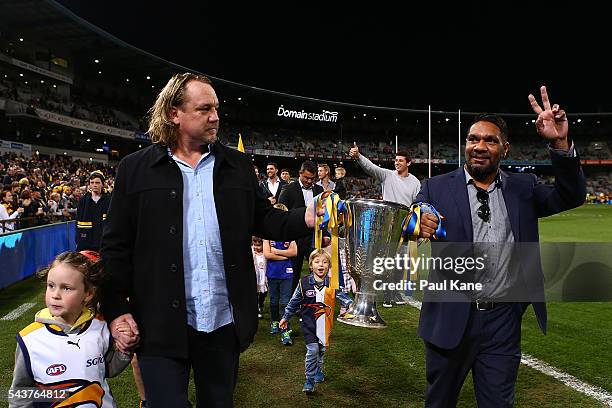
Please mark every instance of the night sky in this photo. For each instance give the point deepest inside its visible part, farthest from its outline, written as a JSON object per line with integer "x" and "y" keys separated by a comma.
{"x": 470, "y": 55}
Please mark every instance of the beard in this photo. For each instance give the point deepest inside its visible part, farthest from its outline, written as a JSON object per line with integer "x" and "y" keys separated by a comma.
{"x": 481, "y": 172}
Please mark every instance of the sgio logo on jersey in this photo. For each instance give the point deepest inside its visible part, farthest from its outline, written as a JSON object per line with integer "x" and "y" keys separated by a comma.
{"x": 95, "y": 361}
{"x": 56, "y": 369}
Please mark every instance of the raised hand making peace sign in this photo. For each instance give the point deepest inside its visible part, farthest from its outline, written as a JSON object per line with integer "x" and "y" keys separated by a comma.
{"x": 552, "y": 121}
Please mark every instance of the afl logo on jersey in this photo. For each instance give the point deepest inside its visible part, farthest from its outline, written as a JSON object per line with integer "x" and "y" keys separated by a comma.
{"x": 56, "y": 369}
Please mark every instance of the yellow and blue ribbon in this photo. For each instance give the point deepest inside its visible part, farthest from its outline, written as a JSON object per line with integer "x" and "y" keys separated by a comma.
{"x": 412, "y": 228}
{"x": 412, "y": 223}
{"x": 332, "y": 218}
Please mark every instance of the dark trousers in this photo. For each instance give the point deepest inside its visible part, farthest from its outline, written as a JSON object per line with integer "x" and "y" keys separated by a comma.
{"x": 491, "y": 348}
{"x": 261, "y": 299}
{"x": 280, "y": 294}
{"x": 214, "y": 359}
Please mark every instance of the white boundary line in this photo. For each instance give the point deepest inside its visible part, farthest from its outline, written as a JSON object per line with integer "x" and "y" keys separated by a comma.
{"x": 592, "y": 391}
{"x": 14, "y": 314}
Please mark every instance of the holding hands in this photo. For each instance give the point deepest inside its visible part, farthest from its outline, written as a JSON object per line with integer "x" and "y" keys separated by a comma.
{"x": 125, "y": 332}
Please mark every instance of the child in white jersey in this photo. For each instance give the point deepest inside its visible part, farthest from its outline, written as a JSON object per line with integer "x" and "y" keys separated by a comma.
{"x": 259, "y": 261}
{"x": 68, "y": 351}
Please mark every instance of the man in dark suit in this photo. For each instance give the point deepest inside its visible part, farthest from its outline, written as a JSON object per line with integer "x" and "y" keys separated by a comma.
{"x": 273, "y": 184}
{"x": 299, "y": 194}
{"x": 177, "y": 249}
{"x": 485, "y": 205}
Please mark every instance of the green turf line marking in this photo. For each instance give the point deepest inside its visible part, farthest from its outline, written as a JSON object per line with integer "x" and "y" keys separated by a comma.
{"x": 592, "y": 391}
{"x": 14, "y": 314}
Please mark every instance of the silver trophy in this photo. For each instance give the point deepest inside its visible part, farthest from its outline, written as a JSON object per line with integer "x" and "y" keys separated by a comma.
{"x": 373, "y": 230}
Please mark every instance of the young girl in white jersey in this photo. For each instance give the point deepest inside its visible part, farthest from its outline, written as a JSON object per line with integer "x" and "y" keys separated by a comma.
{"x": 259, "y": 261}
{"x": 68, "y": 351}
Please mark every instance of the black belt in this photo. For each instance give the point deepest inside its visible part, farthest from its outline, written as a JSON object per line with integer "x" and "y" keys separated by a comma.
{"x": 480, "y": 304}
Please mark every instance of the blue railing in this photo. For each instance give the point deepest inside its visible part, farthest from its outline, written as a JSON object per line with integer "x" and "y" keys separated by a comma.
{"x": 23, "y": 252}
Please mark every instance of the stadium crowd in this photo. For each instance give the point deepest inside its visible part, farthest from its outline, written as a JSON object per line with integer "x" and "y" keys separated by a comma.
{"x": 385, "y": 149}
{"x": 36, "y": 95}
{"x": 48, "y": 189}
{"x": 42, "y": 190}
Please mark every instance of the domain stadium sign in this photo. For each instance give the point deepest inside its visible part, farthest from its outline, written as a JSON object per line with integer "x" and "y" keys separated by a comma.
{"x": 324, "y": 116}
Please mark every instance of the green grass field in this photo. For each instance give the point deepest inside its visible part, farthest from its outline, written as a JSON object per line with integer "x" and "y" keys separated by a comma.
{"x": 386, "y": 368}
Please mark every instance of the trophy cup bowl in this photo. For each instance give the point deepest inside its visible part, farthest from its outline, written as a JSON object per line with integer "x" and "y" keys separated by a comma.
{"x": 373, "y": 229}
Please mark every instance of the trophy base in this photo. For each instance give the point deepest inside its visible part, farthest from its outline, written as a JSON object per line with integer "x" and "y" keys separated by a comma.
{"x": 364, "y": 313}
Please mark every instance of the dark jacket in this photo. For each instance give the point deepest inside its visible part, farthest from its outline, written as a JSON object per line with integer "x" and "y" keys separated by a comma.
{"x": 91, "y": 217}
{"x": 142, "y": 245}
{"x": 443, "y": 323}
{"x": 340, "y": 188}
{"x": 292, "y": 197}
{"x": 264, "y": 185}
{"x": 291, "y": 194}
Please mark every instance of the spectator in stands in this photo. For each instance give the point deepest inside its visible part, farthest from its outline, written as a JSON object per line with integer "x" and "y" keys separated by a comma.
{"x": 176, "y": 227}
{"x": 7, "y": 212}
{"x": 69, "y": 202}
{"x": 39, "y": 202}
{"x": 9, "y": 176}
{"x": 91, "y": 214}
{"x": 324, "y": 177}
{"x": 16, "y": 190}
{"x": 24, "y": 183}
{"x": 53, "y": 209}
{"x": 41, "y": 188}
{"x": 31, "y": 210}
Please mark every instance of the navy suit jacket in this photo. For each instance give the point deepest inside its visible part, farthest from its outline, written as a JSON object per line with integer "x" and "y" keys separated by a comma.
{"x": 443, "y": 323}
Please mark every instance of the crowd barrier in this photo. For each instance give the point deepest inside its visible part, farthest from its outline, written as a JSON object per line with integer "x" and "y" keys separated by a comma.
{"x": 25, "y": 251}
